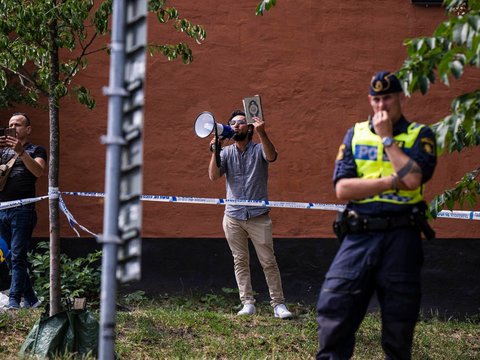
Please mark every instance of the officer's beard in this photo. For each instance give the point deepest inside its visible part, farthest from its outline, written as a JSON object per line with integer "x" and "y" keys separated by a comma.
{"x": 239, "y": 136}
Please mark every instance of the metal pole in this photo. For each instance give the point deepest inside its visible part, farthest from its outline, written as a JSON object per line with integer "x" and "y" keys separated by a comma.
{"x": 113, "y": 142}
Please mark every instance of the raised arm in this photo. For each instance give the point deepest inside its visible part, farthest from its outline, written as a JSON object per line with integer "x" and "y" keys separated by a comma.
{"x": 268, "y": 147}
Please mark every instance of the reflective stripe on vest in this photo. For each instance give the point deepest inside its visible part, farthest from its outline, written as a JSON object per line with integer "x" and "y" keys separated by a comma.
{"x": 366, "y": 146}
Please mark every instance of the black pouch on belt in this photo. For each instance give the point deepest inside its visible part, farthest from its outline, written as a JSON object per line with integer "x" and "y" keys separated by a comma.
{"x": 418, "y": 213}
{"x": 340, "y": 225}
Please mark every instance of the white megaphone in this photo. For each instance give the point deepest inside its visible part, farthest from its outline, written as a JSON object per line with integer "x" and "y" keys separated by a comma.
{"x": 205, "y": 123}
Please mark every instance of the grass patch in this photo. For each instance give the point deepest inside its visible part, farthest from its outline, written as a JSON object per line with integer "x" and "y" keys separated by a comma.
{"x": 206, "y": 327}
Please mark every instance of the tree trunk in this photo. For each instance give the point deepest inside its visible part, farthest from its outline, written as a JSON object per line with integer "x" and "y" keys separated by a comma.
{"x": 53, "y": 172}
{"x": 55, "y": 267}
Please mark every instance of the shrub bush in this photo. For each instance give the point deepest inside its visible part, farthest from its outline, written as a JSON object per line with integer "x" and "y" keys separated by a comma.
{"x": 80, "y": 277}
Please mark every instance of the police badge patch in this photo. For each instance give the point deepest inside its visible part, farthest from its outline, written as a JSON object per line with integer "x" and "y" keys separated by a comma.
{"x": 340, "y": 154}
{"x": 428, "y": 145}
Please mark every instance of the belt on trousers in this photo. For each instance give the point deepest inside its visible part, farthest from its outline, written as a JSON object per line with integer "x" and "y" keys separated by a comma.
{"x": 361, "y": 223}
{"x": 349, "y": 222}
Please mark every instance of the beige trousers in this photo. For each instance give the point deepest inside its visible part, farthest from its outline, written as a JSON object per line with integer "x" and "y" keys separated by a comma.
{"x": 259, "y": 230}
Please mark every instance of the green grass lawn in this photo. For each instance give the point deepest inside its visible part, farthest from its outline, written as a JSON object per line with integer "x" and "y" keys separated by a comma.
{"x": 206, "y": 327}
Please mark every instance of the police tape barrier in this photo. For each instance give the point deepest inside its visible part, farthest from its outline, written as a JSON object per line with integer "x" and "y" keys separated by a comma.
{"x": 71, "y": 220}
{"x": 454, "y": 214}
{"x": 11, "y": 204}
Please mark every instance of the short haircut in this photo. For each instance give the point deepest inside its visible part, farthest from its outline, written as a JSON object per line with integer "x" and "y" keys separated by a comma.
{"x": 24, "y": 115}
{"x": 236, "y": 113}
{"x": 251, "y": 128}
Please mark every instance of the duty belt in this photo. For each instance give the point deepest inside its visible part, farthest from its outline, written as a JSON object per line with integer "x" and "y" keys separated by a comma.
{"x": 349, "y": 222}
{"x": 361, "y": 224}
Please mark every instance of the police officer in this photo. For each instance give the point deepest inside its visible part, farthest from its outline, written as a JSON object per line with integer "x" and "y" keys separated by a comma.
{"x": 381, "y": 168}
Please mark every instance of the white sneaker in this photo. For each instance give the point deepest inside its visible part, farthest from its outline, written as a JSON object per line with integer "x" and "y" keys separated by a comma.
{"x": 248, "y": 309}
{"x": 281, "y": 311}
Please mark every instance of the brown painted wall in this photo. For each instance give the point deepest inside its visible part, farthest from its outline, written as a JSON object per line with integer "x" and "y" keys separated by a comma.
{"x": 310, "y": 60}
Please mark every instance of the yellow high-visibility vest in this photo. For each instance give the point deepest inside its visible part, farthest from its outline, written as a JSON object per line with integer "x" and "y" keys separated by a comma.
{"x": 373, "y": 163}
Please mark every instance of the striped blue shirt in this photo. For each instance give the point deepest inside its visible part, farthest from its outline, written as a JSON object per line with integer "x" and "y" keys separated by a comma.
{"x": 246, "y": 177}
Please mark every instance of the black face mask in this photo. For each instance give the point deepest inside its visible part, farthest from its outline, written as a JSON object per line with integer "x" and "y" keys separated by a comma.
{"x": 239, "y": 136}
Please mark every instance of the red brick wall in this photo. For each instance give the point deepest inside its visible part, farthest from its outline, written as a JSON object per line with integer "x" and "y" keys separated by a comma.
{"x": 311, "y": 61}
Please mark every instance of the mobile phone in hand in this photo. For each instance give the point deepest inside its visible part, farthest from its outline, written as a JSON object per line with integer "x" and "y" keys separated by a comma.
{"x": 10, "y": 132}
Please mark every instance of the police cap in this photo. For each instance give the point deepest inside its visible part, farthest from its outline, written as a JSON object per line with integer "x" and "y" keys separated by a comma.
{"x": 384, "y": 82}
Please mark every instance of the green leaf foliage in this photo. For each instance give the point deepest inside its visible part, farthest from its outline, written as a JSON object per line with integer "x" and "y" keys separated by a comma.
{"x": 454, "y": 45}
{"x": 465, "y": 191}
{"x": 181, "y": 50}
{"x": 80, "y": 277}
{"x": 264, "y": 5}
{"x": 33, "y": 34}
{"x": 14, "y": 93}
{"x": 84, "y": 97}
{"x": 461, "y": 128}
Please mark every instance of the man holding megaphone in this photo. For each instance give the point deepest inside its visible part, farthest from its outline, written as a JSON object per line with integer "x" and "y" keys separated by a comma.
{"x": 245, "y": 166}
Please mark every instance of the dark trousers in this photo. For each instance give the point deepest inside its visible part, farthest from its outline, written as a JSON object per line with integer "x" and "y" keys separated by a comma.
{"x": 16, "y": 228}
{"x": 386, "y": 262}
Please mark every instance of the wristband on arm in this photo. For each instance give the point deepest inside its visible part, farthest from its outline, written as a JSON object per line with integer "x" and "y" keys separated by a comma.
{"x": 394, "y": 185}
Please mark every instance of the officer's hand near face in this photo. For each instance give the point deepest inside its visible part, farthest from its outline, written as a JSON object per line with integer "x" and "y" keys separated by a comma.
{"x": 382, "y": 124}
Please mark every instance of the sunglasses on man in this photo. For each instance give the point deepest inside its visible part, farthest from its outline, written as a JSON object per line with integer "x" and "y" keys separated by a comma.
{"x": 239, "y": 122}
